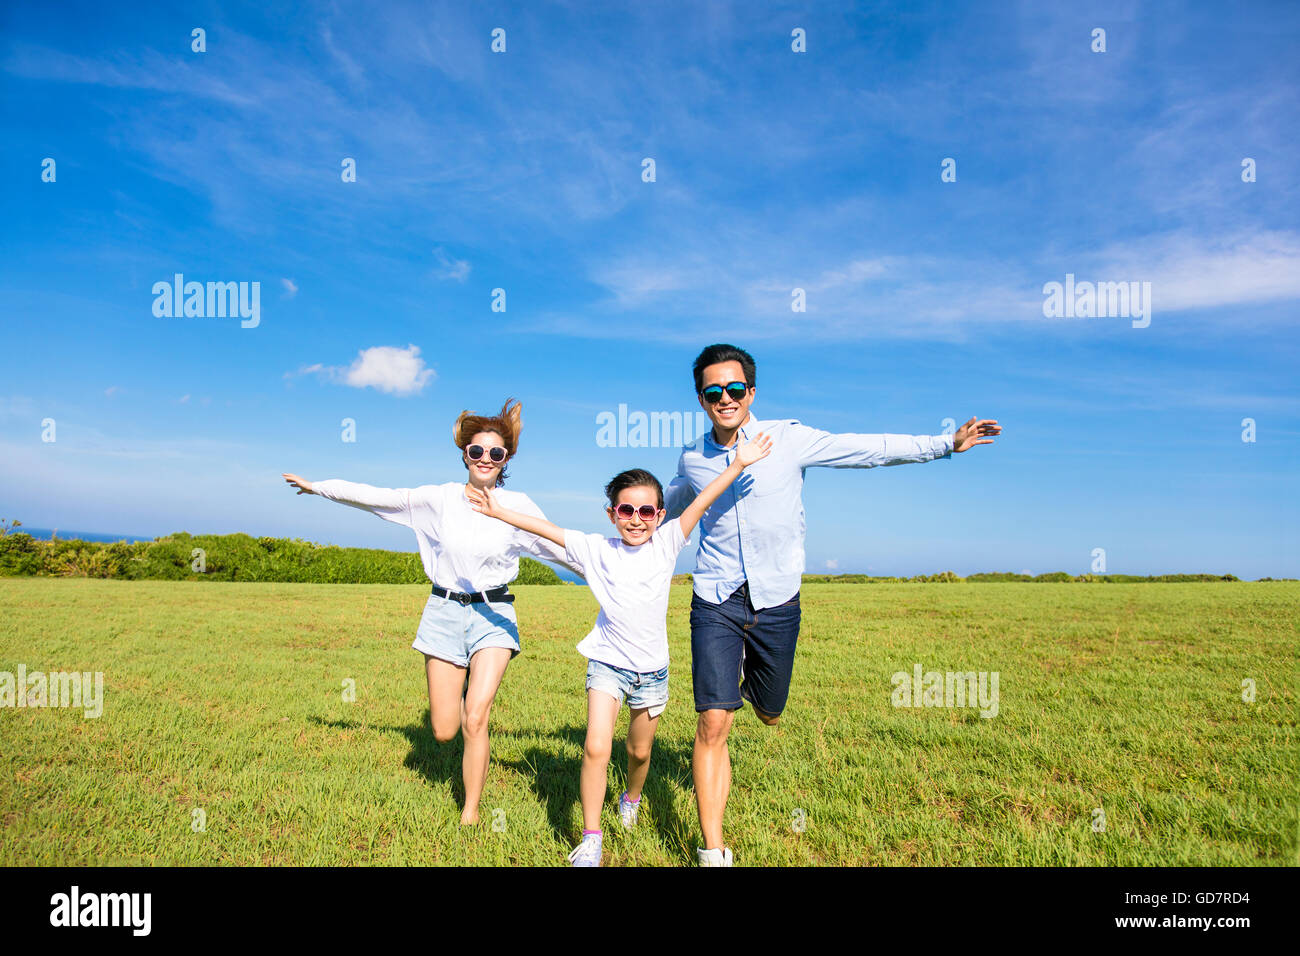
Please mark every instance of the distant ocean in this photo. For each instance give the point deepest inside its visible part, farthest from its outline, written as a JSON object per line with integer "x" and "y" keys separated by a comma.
{"x": 67, "y": 534}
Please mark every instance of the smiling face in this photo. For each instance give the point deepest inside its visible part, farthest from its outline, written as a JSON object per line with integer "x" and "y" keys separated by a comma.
{"x": 483, "y": 473}
{"x": 636, "y": 530}
{"x": 728, "y": 414}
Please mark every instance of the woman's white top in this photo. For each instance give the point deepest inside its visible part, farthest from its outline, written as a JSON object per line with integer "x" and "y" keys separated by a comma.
{"x": 462, "y": 550}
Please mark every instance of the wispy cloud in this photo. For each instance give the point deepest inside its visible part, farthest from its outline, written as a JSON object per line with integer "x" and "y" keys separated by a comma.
{"x": 449, "y": 268}
{"x": 17, "y": 406}
{"x": 149, "y": 70}
{"x": 1192, "y": 271}
{"x": 872, "y": 295}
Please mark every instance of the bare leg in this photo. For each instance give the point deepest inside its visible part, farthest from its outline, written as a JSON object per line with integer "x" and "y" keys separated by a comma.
{"x": 711, "y": 765}
{"x": 640, "y": 739}
{"x": 487, "y": 667}
{"x": 445, "y": 683}
{"x": 602, "y": 713}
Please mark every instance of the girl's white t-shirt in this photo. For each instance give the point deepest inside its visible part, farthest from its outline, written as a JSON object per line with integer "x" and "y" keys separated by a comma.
{"x": 462, "y": 550}
{"x": 631, "y": 585}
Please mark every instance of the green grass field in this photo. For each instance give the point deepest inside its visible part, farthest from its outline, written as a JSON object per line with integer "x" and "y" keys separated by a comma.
{"x": 228, "y": 698}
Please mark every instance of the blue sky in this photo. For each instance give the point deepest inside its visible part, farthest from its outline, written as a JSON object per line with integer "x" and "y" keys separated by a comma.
{"x": 774, "y": 170}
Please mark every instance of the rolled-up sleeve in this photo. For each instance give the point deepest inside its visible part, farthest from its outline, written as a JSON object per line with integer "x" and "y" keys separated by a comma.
{"x": 679, "y": 494}
{"x": 852, "y": 450}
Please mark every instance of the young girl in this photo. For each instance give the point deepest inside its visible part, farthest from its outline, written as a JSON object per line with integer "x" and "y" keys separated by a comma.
{"x": 627, "y": 650}
{"x": 468, "y": 626}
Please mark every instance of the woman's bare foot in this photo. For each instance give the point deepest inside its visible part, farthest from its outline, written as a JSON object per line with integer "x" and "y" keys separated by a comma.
{"x": 468, "y": 818}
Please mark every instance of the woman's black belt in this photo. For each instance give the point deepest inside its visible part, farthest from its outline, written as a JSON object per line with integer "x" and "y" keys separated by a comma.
{"x": 501, "y": 594}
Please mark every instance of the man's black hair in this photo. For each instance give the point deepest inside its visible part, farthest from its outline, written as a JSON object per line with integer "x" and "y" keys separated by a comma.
{"x": 633, "y": 478}
{"x": 716, "y": 354}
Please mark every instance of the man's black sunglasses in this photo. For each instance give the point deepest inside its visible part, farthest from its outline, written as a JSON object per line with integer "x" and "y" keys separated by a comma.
{"x": 713, "y": 393}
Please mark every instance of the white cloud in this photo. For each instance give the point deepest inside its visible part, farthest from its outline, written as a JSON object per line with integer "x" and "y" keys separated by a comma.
{"x": 290, "y": 288}
{"x": 112, "y": 390}
{"x": 389, "y": 369}
{"x": 832, "y": 564}
{"x": 383, "y": 367}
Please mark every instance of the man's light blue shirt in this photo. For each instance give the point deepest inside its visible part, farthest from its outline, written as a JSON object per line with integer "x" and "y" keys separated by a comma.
{"x": 755, "y": 530}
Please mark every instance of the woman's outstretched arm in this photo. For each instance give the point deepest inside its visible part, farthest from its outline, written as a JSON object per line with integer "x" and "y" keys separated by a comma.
{"x": 391, "y": 504}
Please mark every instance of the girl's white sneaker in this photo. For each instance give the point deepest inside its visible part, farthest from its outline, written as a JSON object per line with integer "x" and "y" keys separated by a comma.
{"x": 627, "y": 810}
{"x": 587, "y": 853}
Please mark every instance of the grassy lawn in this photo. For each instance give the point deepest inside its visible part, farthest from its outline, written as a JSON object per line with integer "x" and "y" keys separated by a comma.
{"x": 227, "y": 698}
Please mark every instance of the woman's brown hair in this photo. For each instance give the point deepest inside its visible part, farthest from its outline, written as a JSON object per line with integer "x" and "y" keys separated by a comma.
{"x": 508, "y": 424}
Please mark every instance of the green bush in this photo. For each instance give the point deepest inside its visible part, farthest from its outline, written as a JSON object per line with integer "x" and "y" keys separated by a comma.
{"x": 227, "y": 557}
{"x": 1054, "y": 576}
{"x": 20, "y": 553}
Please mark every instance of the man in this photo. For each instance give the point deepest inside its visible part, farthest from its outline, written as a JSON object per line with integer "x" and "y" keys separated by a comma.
{"x": 745, "y": 609}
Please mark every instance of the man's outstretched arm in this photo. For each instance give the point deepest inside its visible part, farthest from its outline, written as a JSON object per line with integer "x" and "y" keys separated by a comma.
{"x": 853, "y": 450}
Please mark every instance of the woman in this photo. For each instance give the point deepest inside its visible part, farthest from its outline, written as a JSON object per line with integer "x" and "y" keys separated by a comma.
{"x": 469, "y": 622}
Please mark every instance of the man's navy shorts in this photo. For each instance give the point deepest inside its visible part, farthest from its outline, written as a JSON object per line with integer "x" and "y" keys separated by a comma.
{"x": 737, "y": 652}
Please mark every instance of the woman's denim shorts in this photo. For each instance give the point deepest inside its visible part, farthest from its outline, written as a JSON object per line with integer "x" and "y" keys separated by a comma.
{"x": 454, "y": 632}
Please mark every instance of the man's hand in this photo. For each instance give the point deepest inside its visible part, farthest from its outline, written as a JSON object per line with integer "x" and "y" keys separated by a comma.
{"x": 302, "y": 484}
{"x": 971, "y": 434}
{"x": 757, "y": 448}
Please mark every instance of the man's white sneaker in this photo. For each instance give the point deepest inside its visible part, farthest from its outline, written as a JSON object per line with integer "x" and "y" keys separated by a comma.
{"x": 718, "y": 857}
{"x": 627, "y": 810}
{"x": 587, "y": 853}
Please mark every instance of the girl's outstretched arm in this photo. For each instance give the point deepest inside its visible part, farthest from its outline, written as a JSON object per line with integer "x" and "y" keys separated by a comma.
{"x": 758, "y": 447}
{"x": 484, "y": 502}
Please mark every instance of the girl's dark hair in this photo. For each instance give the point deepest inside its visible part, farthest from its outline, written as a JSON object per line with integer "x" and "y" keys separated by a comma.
{"x": 716, "y": 354}
{"x": 633, "y": 478}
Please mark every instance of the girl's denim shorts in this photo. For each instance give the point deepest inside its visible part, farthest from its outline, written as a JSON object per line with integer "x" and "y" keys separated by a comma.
{"x": 644, "y": 691}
